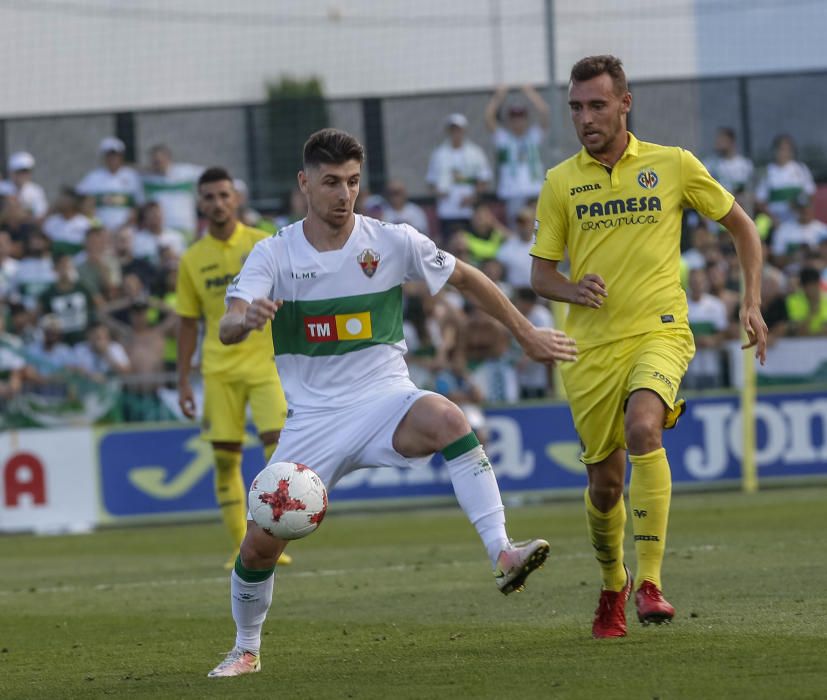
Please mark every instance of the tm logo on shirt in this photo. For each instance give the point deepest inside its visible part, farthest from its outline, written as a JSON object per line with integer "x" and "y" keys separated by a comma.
{"x": 323, "y": 329}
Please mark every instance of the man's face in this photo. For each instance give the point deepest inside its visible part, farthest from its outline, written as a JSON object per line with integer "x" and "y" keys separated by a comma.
{"x": 159, "y": 161}
{"x": 518, "y": 123}
{"x": 21, "y": 177}
{"x": 724, "y": 145}
{"x": 598, "y": 112}
{"x": 331, "y": 190}
{"x": 456, "y": 134}
{"x": 218, "y": 201}
{"x": 113, "y": 160}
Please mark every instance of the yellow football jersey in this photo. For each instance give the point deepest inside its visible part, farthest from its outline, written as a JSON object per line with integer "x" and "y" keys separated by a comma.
{"x": 205, "y": 270}
{"x": 624, "y": 224}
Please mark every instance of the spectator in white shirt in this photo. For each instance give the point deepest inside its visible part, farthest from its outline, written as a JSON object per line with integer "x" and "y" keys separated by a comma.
{"x": 458, "y": 172}
{"x": 67, "y": 227}
{"x": 708, "y": 322}
{"x": 734, "y": 171}
{"x": 803, "y": 234}
{"x": 116, "y": 187}
{"x": 533, "y": 377}
{"x": 173, "y": 186}
{"x": 520, "y": 172}
{"x": 785, "y": 180}
{"x": 30, "y": 194}
{"x": 101, "y": 357}
{"x": 398, "y": 210}
{"x": 153, "y": 235}
{"x": 514, "y": 252}
{"x": 8, "y": 266}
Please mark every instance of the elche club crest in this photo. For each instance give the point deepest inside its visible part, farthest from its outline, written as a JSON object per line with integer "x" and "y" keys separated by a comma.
{"x": 368, "y": 260}
{"x": 647, "y": 179}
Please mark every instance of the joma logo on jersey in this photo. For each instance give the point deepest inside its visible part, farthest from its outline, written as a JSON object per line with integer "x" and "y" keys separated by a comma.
{"x": 618, "y": 206}
{"x": 584, "y": 188}
{"x": 663, "y": 378}
{"x": 324, "y": 329}
{"x": 221, "y": 281}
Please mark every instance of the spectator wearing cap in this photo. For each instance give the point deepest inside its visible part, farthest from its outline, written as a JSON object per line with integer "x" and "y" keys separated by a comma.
{"x": 520, "y": 171}
{"x": 458, "y": 172}
{"x": 173, "y": 186}
{"x": 803, "y": 232}
{"x": 117, "y": 189}
{"x": 19, "y": 184}
{"x": 807, "y": 307}
{"x": 397, "y": 209}
{"x": 67, "y": 227}
{"x": 785, "y": 180}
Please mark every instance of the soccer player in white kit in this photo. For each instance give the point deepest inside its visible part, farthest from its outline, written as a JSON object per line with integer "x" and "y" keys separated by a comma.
{"x": 332, "y": 286}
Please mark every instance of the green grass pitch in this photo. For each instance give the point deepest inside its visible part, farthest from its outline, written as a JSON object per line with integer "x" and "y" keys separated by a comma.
{"x": 403, "y": 605}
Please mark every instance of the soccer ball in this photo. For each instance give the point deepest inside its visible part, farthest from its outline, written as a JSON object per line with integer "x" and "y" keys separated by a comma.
{"x": 288, "y": 500}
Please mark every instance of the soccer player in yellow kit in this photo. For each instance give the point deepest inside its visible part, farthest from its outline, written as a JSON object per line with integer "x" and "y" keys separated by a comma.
{"x": 616, "y": 208}
{"x": 233, "y": 376}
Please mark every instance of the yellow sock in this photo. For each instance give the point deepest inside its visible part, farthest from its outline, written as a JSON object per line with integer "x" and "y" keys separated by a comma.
{"x": 231, "y": 494}
{"x": 606, "y": 532}
{"x": 268, "y": 451}
{"x": 650, "y": 491}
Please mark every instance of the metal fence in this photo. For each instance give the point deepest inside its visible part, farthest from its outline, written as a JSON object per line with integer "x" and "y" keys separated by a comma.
{"x": 400, "y": 132}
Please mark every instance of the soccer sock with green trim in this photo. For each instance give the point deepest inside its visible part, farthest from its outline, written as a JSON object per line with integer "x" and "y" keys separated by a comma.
{"x": 477, "y": 492}
{"x": 650, "y": 492}
{"x": 606, "y": 533}
{"x": 251, "y": 592}
{"x": 231, "y": 494}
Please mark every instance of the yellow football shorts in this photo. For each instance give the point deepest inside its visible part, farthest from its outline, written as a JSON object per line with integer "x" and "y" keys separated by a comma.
{"x": 225, "y": 407}
{"x": 599, "y": 383}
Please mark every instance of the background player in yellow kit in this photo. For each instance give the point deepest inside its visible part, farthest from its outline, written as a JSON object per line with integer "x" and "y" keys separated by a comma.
{"x": 233, "y": 376}
{"x": 616, "y": 208}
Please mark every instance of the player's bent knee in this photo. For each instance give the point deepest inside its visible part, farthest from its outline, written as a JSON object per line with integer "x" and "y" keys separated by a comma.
{"x": 260, "y": 550}
{"x": 643, "y": 436}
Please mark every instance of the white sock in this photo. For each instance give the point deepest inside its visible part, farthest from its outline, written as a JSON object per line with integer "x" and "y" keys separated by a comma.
{"x": 250, "y": 602}
{"x": 475, "y": 486}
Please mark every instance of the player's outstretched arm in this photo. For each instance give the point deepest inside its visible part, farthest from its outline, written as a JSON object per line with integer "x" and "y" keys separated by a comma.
{"x": 242, "y": 317}
{"x": 550, "y": 283}
{"x": 748, "y": 246}
{"x": 540, "y": 344}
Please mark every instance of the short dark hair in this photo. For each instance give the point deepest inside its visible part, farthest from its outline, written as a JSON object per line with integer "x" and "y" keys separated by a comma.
{"x": 594, "y": 66}
{"x": 332, "y": 147}
{"x": 809, "y": 275}
{"x": 161, "y": 147}
{"x": 727, "y": 131}
{"x": 215, "y": 174}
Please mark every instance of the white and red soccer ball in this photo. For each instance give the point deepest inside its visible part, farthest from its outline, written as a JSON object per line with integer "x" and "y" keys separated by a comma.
{"x": 288, "y": 500}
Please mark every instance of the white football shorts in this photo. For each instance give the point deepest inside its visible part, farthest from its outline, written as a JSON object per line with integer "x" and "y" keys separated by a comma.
{"x": 337, "y": 442}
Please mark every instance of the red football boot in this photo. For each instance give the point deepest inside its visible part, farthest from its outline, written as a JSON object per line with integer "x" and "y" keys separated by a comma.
{"x": 610, "y": 616}
{"x": 652, "y": 607}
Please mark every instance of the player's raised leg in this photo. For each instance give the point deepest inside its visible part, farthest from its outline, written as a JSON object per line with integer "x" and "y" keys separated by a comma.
{"x": 650, "y": 491}
{"x": 606, "y": 522}
{"x": 251, "y": 592}
{"x": 435, "y": 424}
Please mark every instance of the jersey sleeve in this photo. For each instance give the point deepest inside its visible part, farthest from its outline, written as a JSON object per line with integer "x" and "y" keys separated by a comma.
{"x": 257, "y": 278}
{"x": 701, "y": 191}
{"x": 551, "y": 226}
{"x": 187, "y": 303}
{"x": 427, "y": 262}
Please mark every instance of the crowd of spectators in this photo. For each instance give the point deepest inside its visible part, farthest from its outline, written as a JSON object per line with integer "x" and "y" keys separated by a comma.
{"x": 87, "y": 281}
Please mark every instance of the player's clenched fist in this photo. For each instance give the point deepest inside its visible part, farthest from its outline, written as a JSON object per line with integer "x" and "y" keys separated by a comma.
{"x": 259, "y": 312}
{"x": 549, "y": 345}
{"x": 590, "y": 291}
